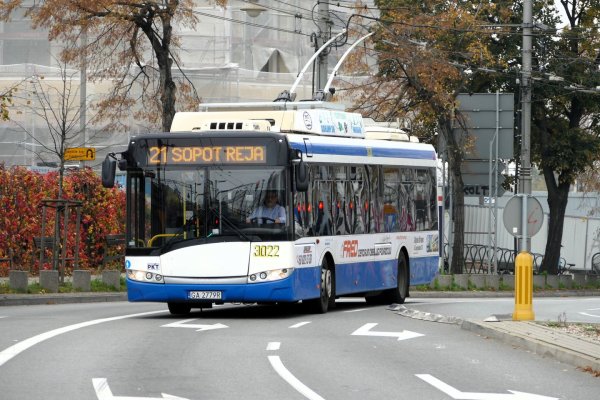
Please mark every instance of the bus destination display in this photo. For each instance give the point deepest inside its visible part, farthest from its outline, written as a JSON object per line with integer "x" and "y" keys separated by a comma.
{"x": 207, "y": 155}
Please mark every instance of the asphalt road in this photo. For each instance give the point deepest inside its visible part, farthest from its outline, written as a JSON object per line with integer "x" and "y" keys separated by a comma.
{"x": 125, "y": 351}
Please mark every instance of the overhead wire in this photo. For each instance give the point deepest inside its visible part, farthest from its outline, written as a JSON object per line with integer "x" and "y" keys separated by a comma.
{"x": 481, "y": 29}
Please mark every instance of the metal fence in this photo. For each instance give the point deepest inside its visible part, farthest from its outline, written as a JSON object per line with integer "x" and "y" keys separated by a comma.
{"x": 580, "y": 242}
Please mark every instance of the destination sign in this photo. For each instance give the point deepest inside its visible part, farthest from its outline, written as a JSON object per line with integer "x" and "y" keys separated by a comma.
{"x": 207, "y": 155}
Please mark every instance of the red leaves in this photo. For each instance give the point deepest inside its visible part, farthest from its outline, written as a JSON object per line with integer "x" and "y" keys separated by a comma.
{"x": 21, "y": 193}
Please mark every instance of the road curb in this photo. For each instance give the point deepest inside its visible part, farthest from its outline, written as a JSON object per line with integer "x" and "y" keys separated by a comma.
{"x": 542, "y": 341}
{"x": 63, "y": 298}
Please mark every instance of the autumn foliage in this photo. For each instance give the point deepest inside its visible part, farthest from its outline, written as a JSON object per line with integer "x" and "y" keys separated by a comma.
{"x": 21, "y": 195}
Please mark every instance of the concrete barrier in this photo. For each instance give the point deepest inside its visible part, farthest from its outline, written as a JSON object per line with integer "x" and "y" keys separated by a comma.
{"x": 49, "y": 281}
{"x": 18, "y": 280}
{"x": 508, "y": 281}
{"x": 82, "y": 280}
{"x": 443, "y": 282}
{"x": 112, "y": 277}
{"x": 565, "y": 281}
{"x": 461, "y": 280}
{"x": 552, "y": 281}
{"x": 539, "y": 281}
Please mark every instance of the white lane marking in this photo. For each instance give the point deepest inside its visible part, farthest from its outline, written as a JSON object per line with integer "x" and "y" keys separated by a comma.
{"x": 292, "y": 380}
{"x": 589, "y": 315}
{"x": 365, "y": 330}
{"x": 16, "y": 349}
{"x": 2, "y": 316}
{"x": 360, "y": 309}
{"x": 299, "y": 324}
{"x": 103, "y": 392}
{"x": 198, "y": 327}
{"x": 458, "y": 395}
{"x": 273, "y": 346}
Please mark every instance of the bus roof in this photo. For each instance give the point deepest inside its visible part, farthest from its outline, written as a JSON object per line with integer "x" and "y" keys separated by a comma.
{"x": 303, "y": 117}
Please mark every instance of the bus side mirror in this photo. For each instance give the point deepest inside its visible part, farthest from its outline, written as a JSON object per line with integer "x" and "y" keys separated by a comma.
{"x": 109, "y": 167}
{"x": 301, "y": 174}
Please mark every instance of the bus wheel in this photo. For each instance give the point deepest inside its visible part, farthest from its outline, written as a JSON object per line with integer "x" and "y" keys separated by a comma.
{"x": 179, "y": 308}
{"x": 327, "y": 296}
{"x": 399, "y": 294}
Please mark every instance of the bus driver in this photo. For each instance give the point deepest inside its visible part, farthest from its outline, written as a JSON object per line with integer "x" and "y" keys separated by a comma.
{"x": 269, "y": 212}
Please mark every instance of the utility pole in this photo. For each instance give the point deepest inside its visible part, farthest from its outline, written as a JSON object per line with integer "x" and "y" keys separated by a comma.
{"x": 324, "y": 34}
{"x": 525, "y": 182}
{"x": 524, "y": 260}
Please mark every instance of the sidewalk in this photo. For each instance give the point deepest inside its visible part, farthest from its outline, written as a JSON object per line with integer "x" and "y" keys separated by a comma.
{"x": 541, "y": 340}
{"x": 544, "y": 341}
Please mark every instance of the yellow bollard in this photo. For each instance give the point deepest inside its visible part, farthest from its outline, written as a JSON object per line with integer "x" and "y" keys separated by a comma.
{"x": 523, "y": 287}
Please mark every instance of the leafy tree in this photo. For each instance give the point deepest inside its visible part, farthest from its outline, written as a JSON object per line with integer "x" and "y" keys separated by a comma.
{"x": 56, "y": 103}
{"x": 126, "y": 41}
{"x": 5, "y": 101}
{"x": 428, "y": 52}
{"x": 566, "y": 122}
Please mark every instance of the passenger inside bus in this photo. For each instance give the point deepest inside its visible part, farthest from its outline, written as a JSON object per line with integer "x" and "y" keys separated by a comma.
{"x": 269, "y": 212}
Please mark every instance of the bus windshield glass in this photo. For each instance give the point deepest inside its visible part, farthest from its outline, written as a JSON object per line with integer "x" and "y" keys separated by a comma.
{"x": 172, "y": 207}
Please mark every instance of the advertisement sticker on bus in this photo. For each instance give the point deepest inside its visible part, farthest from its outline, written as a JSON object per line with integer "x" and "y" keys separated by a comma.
{"x": 305, "y": 255}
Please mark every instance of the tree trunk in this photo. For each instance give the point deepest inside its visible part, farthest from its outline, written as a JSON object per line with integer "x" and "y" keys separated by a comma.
{"x": 458, "y": 195}
{"x": 558, "y": 196}
{"x": 162, "y": 49}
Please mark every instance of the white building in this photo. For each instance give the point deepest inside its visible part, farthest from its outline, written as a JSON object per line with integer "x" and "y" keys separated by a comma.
{"x": 251, "y": 50}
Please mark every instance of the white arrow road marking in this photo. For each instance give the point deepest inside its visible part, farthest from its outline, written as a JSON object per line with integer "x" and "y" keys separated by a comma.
{"x": 103, "y": 392}
{"x": 365, "y": 330}
{"x": 16, "y": 349}
{"x": 292, "y": 380}
{"x": 198, "y": 327}
{"x": 273, "y": 346}
{"x": 299, "y": 324}
{"x": 458, "y": 395}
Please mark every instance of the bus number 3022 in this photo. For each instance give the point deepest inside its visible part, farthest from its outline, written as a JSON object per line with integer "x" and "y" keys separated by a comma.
{"x": 266, "y": 251}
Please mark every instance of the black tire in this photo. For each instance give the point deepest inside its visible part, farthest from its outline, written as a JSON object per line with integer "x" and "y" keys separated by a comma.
{"x": 179, "y": 308}
{"x": 400, "y": 293}
{"x": 326, "y": 299}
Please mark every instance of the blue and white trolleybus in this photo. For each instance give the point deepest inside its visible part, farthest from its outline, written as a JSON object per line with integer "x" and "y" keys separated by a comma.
{"x": 275, "y": 203}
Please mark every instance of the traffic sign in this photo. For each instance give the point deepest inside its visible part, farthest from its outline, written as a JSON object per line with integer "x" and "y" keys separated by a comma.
{"x": 513, "y": 212}
{"x": 479, "y": 112}
{"x": 476, "y": 178}
{"x": 80, "y": 154}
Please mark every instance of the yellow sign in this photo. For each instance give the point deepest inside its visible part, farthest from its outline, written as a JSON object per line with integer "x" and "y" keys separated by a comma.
{"x": 80, "y": 154}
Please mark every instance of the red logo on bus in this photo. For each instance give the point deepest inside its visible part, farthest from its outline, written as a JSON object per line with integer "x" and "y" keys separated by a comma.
{"x": 350, "y": 248}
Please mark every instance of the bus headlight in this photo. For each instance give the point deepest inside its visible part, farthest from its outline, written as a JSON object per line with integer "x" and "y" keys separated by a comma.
{"x": 272, "y": 275}
{"x": 144, "y": 276}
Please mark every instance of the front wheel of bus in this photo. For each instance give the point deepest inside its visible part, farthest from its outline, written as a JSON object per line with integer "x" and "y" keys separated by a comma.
{"x": 179, "y": 308}
{"x": 327, "y": 296}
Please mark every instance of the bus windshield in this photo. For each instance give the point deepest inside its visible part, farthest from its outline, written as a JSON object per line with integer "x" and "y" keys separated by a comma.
{"x": 172, "y": 207}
